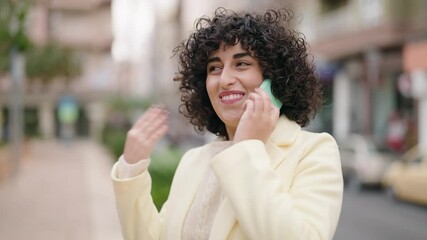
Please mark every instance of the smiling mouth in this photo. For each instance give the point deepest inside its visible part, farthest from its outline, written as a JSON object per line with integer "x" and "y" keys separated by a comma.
{"x": 231, "y": 97}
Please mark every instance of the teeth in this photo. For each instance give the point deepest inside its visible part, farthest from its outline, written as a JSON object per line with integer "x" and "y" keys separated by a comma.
{"x": 231, "y": 97}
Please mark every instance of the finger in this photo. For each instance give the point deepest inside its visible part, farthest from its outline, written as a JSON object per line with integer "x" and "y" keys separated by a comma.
{"x": 275, "y": 113}
{"x": 244, "y": 105}
{"x": 145, "y": 116}
{"x": 145, "y": 138}
{"x": 140, "y": 119}
{"x": 144, "y": 129}
{"x": 249, "y": 109}
{"x": 258, "y": 104}
{"x": 265, "y": 99}
{"x": 159, "y": 133}
{"x": 160, "y": 120}
{"x": 153, "y": 110}
{"x": 149, "y": 116}
{"x": 151, "y": 127}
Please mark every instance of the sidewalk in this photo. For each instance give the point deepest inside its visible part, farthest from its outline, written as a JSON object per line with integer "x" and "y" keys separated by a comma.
{"x": 62, "y": 192}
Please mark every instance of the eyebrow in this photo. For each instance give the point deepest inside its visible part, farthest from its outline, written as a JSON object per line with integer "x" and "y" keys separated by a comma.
{"x": 235, "y": 56}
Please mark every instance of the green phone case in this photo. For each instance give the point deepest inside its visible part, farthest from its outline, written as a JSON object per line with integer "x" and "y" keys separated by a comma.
{"x": 266, "y": 86}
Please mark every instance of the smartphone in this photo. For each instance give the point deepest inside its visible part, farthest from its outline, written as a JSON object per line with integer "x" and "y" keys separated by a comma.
{"x": 266, "y": 86}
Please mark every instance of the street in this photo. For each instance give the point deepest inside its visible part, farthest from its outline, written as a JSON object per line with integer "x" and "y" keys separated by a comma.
{"x": 61, "y": 191}
{"x": 371, "y": 215}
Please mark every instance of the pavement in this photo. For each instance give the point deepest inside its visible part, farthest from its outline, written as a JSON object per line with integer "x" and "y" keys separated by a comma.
{"x": 60, "y": 191}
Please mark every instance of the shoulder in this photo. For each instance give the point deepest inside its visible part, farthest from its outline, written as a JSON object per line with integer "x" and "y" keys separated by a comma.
{"x": 312, "y": 146}
{"x": 290, "y": 137}
{"x": 318, "y": 148}
{"x": 317, "y": 139}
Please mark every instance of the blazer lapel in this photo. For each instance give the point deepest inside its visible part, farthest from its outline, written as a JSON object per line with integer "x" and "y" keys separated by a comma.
{"x": 192, "y": 178}
{"x": 284, "y": 134}
{"x": 224, "y": 222}
{"x": 277, "y": 154}
{"x": 184, "y": 195}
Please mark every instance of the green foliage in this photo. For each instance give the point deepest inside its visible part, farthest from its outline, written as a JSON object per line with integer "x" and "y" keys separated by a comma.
{"x": 4, "y": 62}
{"x": 127, "y": 106}
{"x": 51, "y": 61}
{"x": 114, "y": 139}
{"x": 12, "y": 29}
{"x": 162, "y": 169}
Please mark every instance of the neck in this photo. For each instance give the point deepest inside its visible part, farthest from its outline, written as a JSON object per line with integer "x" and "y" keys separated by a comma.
{"x": 230, "y": 132}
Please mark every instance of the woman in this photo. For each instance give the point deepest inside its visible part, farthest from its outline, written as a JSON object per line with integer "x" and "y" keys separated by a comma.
{"x": 264, "y": 177}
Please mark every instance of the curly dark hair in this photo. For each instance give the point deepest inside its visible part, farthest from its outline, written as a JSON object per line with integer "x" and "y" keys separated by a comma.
{"x": 280, "y": 51}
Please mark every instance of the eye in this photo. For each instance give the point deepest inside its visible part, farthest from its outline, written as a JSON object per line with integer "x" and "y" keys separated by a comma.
{"x": 214, "y": 69}
{"x": 243, "y": 64}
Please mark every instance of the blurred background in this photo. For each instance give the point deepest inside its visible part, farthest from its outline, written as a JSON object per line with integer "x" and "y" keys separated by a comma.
{"x": 74, "y": 75}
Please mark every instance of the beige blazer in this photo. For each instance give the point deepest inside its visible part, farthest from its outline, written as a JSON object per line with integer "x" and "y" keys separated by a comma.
{"x": 289, "y": 188}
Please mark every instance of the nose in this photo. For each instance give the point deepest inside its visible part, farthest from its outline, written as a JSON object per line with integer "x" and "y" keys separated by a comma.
{"x": 228, "y": 77}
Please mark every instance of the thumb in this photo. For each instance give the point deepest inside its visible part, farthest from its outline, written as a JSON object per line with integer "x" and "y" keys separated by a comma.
{"x": 244, "y": 105}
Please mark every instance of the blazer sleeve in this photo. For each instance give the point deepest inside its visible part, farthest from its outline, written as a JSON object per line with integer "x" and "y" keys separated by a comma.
{"x": 309, "y": 210}
{"x": 139, "y": 218}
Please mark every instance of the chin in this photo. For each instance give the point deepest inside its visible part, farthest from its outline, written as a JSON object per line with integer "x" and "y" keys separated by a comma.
{"x": 231, "y": 122}
{"x": 231, "y": 118}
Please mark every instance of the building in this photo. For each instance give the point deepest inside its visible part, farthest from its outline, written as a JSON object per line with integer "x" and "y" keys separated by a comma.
{"x": 359, "y": 47}
{"x": 415, "y": 65}
{"x": 85, "y": 28}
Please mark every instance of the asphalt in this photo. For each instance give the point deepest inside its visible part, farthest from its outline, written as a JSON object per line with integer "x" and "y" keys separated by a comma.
{"x": 60, "y": 191}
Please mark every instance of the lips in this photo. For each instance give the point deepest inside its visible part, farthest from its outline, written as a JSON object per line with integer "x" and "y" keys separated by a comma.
{"x": 231, "y": 96}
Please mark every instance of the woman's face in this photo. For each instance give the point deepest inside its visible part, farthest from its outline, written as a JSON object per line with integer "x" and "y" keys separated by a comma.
{"x": 232, "y": 73}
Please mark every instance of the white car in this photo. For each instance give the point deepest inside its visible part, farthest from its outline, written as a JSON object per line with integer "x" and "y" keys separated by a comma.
{"x": 363, "y": 164}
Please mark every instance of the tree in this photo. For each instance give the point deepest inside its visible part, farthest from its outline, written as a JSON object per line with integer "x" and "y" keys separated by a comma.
{"x": 13, "y": 15}
{"x": 42, "y": 62}
{"x": 51, "y": 61}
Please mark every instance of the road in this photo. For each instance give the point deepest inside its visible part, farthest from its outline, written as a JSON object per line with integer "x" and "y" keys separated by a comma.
{"x": 370, "y": 215}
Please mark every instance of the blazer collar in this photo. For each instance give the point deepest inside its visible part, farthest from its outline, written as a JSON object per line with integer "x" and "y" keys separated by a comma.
{"x": 285, "y": 133}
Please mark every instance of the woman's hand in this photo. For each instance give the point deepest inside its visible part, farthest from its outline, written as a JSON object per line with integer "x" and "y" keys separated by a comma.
{"x": 145, "y": 133}
{"x": 258, "y": 119}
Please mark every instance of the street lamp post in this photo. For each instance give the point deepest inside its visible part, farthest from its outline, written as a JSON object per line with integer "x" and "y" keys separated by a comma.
{"x": 16, "y": 109}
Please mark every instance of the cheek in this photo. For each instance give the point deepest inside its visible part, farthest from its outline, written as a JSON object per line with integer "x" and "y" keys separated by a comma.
{"x": 255, "y": 83}
{"x": 254, "y": 79}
